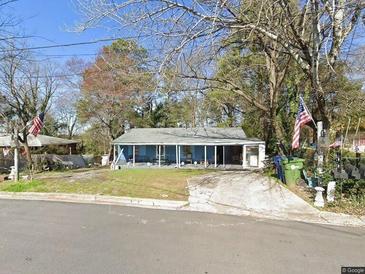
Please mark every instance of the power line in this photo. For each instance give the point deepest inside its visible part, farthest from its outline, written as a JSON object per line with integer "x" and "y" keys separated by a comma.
{"x": 79, "y": 74}
{"x": 68, "y": 55}
{"x": 72, "y": 44}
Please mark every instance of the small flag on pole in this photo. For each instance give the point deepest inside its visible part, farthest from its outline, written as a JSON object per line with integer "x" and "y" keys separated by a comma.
{"x": 303, "y": 117}
{"x": 37, "y": 124}
{"x": 337, "y": 143}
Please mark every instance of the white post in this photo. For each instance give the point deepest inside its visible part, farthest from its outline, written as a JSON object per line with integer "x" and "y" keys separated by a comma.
{"x": 319, "y": 149}
{"x": 134, "y": 155}
{"x": 159, "y": 155}
{"x": 179, "y": 157}
{"x": 215, "y": 156}
{"x": 243, "y": 156}
{"x": 16, "y": 155}
{"x": 261, "y": 156}
{"x": 114, "y": 153}
{"x": 224, "y": 156}
{"x": 205, "y": 156}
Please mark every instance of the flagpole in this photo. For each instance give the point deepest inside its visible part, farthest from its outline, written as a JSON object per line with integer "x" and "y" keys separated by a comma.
{"x": 319, "y": 129}
{"x": 16, "y": 154}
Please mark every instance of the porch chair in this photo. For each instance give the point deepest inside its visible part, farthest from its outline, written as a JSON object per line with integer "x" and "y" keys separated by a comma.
{"x": 189, "y": 158}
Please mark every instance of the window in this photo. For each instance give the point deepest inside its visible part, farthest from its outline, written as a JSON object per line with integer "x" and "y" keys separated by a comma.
{"x": 187, "y": 150}
{"x": 252, "y": 156}
{"x": 188, "y": 154}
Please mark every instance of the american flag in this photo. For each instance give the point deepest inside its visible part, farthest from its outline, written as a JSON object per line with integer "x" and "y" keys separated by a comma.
{"x": 37, "y": 124}
{"x": 303, "y": 117}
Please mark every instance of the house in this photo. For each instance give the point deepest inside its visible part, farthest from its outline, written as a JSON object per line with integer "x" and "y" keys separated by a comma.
{"x": 203, "y": 147}
{"x": 43, "y": 141}
{"x": 58, "y": 150}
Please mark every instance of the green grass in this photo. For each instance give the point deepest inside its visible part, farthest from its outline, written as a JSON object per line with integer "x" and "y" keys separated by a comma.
{"x": 21, "y": 186}
{"x": 143, "y": 183}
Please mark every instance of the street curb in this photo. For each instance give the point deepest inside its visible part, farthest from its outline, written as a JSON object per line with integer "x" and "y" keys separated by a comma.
{"x": 326, "y": 218}
{"x": 95, "y": 199}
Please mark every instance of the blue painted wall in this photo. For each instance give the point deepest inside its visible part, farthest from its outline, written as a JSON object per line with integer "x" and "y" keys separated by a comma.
{"x": 210, "y": 153}
{"x": 124, "y": 158}
{"x": 170, "y": 153}
{"x": 198, "y": 153}
{"x": 150, "y": 153}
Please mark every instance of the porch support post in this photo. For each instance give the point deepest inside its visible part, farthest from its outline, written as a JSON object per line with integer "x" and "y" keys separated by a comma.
{"x": 159, "y": 155}
{"x": 243, "y": 156}
{"x": 177, "y": 156}
{"x": 114, "y": 153}
{"x": 215, "y": 156}
{"x": 261, "y": 155}
{"x": 205, "y": 156}
{"x": 224, "y": 156}
{"x": 118, "y": 150}
{"x": 134, "y": 155}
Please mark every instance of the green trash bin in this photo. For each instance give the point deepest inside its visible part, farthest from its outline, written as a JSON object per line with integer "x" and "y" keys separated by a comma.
{"x": 292, "y": 169}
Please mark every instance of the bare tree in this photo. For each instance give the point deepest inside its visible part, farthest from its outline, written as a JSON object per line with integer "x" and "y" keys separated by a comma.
{"x": 312, "y": 32}
{"x": 68, "y": 98}
{"x": 27, "y": 90}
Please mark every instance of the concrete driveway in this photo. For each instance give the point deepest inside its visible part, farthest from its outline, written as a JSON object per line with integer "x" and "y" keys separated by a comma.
{"x": 251, "y": 193}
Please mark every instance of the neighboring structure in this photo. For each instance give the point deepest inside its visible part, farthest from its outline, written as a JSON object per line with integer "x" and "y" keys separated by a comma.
{"x": 69, "y": 146}
{"x": 58, "y": 151}
{"x": 204, "y": 147}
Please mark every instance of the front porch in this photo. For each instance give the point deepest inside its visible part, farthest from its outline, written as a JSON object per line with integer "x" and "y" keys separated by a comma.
{"x": 190, "y": 156}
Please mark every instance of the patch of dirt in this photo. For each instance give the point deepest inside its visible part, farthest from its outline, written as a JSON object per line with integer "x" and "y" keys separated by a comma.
{"x": 207, "y": 180}
{"x": 346, "y": 206}
{"x": 307, "y": 194}
{"x": 74, "y": 175}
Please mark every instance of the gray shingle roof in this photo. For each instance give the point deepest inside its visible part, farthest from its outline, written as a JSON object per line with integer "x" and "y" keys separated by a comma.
{"x": 39, "y": 141}
{"x": 185, "y": 136}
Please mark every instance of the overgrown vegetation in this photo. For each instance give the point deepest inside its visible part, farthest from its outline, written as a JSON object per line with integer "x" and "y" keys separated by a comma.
{"x": 349, "y": 194}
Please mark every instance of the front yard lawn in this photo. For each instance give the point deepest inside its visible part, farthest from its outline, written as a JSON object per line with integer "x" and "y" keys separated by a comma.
{"x": 143, "y": 183}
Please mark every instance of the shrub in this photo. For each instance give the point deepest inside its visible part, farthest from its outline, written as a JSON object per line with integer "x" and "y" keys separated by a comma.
{"x": 351, "y": 188}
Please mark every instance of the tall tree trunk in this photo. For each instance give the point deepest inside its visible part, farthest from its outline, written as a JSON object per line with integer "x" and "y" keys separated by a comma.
{"x": 274, "y": 129}
{"x": 110, "y": 152}
{"x": 315, "y": 79}
{"x": 28, "y": 154}
{"x": 278, "y": 129}
{"x": 321, "y": 108}
{"x": 276, "y": 75}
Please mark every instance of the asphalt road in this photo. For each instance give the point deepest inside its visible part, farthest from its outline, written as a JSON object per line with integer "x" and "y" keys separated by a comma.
{"x": 49, "y": 237}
